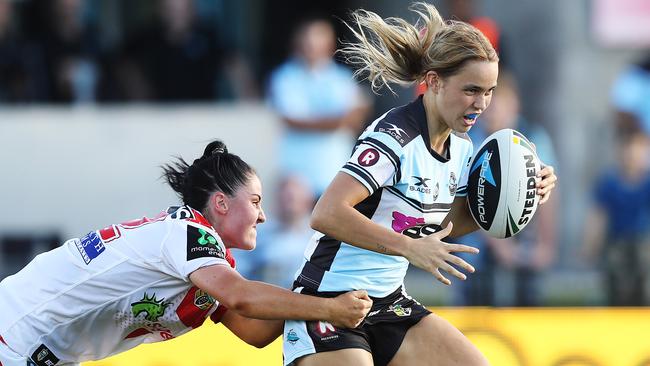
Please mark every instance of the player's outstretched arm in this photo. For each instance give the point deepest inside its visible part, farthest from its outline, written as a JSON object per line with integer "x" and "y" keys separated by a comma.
{"x": 461, "y": 217}
{"x": 256, "y": 332}
{"x": 260, "y": 300}
{"x": 336, "y": 216}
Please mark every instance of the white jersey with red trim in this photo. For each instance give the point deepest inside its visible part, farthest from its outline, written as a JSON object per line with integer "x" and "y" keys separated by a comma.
{"x": 112, "y": 289}
{"x": 411, "y": 190}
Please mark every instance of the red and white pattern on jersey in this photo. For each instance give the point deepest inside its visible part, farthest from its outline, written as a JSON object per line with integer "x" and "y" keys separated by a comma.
{"x": 112, "y": 232}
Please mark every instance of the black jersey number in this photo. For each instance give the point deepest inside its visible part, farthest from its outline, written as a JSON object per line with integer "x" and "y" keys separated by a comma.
{"x": 421, "y": 231}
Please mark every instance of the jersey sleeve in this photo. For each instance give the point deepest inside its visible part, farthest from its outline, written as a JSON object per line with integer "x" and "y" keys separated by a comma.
{"x": 464, "y": 173}
{"x": 218, "y": 314}
{"x": 190, "y": 246}
{"x": 375, "y": 161}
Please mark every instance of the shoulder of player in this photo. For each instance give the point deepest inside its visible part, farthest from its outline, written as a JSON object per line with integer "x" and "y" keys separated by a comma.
{"x": 397, "y": 124}
{"x": 185, "y": 217}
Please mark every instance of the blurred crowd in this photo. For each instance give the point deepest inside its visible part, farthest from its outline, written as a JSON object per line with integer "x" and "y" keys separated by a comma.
{"x": 53, "y": 51}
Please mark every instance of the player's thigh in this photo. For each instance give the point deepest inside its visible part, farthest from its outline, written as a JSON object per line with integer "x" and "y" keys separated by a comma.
{"x": 342, "y": 357}
{"x": 433, "y": 341}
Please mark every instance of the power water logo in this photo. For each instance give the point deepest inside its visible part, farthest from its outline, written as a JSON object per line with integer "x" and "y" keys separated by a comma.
{"x": 485, "y": 175}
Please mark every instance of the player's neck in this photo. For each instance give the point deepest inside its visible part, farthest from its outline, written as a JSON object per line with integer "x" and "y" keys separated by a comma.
{"x": 438, "y": 131}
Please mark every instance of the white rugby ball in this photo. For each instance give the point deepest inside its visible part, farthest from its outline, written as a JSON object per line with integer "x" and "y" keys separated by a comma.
{"x": 501, "y": 189}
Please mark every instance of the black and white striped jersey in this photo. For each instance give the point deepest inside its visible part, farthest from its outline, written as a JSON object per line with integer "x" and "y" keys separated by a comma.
{"x": 411, "y": 191}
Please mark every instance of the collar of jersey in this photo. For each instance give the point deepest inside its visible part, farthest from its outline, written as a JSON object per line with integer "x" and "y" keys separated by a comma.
{"x": 416, "y": 110}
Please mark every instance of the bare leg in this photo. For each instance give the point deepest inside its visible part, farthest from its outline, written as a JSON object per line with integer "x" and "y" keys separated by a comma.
{"x": 344, "y": 357}
{"x": 435, "y": 342}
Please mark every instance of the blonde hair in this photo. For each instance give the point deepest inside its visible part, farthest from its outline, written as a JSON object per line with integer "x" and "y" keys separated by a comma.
{"x": 392, "y": 50}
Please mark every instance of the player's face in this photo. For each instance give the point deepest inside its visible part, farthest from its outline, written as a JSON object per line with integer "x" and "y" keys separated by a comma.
{"x": 239, "y": 227}
{"x": 462, "y": 97}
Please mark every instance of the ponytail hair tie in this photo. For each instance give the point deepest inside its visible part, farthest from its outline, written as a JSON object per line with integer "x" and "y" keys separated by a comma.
{"x": 218, "y": 150}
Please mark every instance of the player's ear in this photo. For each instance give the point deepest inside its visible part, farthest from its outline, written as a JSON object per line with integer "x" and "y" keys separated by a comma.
{"x": 219, "y": 202}
{"x": 432, "y": 79}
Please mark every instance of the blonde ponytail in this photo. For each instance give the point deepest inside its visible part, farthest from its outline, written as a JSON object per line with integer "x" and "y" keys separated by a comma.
{"x": 393, "y": 51}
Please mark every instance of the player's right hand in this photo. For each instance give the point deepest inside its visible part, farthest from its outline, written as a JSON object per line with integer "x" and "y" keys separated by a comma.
{"x": 432, "y": 255}
{"x": 350, "y": 309}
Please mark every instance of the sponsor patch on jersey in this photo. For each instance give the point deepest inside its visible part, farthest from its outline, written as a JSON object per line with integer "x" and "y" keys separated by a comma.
{"x": 195, "y": 307}
{"x": 180, "y": 213}
{"x": 453, "y": 184}
{"x": 423, "y": 185}
{"x": 44, "y": 357}
{"x": 90, "y": 246}
{"x": 394, "y": 131}
{"x": 399, "y": 310}
{"x": 292, "y": 337}
{"x": 368, "y": 157}
{"x": 324, "y": 331}
{"x": 200, "y": 243}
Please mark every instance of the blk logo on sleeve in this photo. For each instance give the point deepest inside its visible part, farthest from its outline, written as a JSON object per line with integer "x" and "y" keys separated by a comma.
{"x": 200, "y": 243}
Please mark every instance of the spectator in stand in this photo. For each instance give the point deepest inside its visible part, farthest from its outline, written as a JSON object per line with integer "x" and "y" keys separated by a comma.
{"x": 525, "y": 256}
{"x": 617, "y": 234}
{"x": 320, "y": 104}
{"x": 70, "y": 48}
{"x": 631, "y": 98}
{"x": 21, "y": 66}
{"x": 288, "y": 229}
{"x": 179, "y": 59}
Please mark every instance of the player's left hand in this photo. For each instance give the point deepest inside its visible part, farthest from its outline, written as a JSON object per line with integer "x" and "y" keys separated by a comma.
{"x": 546, "y": 185}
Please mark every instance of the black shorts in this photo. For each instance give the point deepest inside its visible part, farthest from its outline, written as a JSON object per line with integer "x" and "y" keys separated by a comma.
{"x": 381, "y": 333}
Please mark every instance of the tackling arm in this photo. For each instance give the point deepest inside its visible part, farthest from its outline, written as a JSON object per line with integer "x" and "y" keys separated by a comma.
{"x": 259, "y": 300}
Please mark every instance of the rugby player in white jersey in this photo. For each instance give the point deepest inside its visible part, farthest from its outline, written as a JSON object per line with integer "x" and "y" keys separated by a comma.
{"x": 154, "y": 279}
{"x": 397, "y": 196}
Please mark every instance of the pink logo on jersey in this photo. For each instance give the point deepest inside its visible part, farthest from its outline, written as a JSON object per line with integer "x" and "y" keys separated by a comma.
{"x": 402, "y": 222}
{"x": 368, "y": 157}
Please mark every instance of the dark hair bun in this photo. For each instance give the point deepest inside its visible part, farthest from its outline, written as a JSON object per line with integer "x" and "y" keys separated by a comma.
{"x": 215, "y": 147}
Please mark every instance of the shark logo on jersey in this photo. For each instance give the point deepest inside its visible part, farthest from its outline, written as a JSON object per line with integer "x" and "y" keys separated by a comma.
{"x": 397, "y": 132}
{"x": 453, "y": 183}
